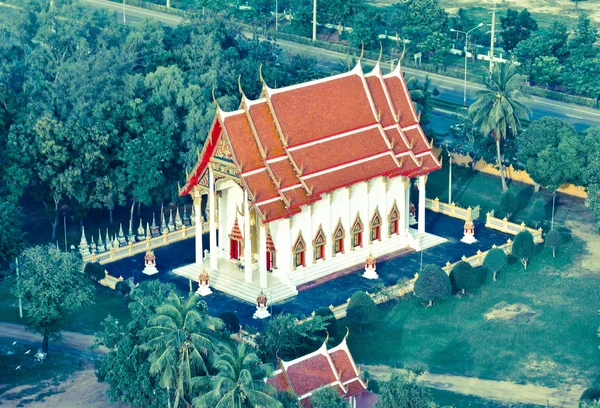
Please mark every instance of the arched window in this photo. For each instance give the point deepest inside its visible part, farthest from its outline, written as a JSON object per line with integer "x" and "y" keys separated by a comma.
{"x": 357, "y": 231}
{"x": 375, "y": 226}
{"x": 338, "y": 238}
{"x": 393, "y": 218}
{"x": 235, "y": 241}
{"x": 298, "y": 251}
{"x": 270, "y": 252}
{"x": 319, "y": 245}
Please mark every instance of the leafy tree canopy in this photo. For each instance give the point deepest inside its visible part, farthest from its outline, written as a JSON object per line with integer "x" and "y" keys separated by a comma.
{"x": 516, "y": 27}
{"x": 464, "y": 276}
{"x": 362, "y": 309}
{"x": 495, "y": 261}
{"x": 433, "y": 283}
{"x": 523, "y": 247}
{"x": 327, "y": 397}
{"x": 403, "y": 391}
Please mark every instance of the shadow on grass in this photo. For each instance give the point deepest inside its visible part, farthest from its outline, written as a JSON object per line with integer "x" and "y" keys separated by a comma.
{"x": 457, "y": 353}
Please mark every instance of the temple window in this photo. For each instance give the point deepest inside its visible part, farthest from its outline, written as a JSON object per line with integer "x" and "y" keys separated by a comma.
{"x": 298, "y": 251}
{"x": 357, "y": 231}
{"x": 375, "y": 226}
{"x": 338, "y": 238}
{"x": 319, "y": 245}
{"x": 393, "y": 220}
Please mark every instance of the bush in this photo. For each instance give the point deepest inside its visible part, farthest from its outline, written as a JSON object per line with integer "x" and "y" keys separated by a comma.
{"x": 464, "y": 277}
{"x": 123, "y": 287}
{"x": 553, "y": 240}
{"x": 330, "y": 320}
{"x": 508, "y": 203}
{"x": 433, "y": 283}
{"x": 288, "y": 399}
{"x": 361, "y": 309}
{"x": 327, "y": 397}
{"x": 95, "y": 271}
{"x": 495, "y": 261}
{"x": 403, "y": 390}
{"x": 589, "y": 395}
{"x": 522, "y": 247}
{"x": 537, "y": 212}
{"x": 232, "y": 323}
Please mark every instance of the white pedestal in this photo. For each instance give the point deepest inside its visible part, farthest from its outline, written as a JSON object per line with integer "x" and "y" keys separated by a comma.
{"x": 150, "y": 270}
{"x": 204, "y": 290}
{"x": 261, "y": 313}
{"x": 370, "y": 274}
{"x": 468, "y": 239}
{"x": 412, "y": 220}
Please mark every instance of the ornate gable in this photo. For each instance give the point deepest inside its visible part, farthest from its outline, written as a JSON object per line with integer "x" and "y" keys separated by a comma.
{"x": 223, "y": 151}
{"x": 320, "y": 237}
{"x": 299, "y": 245}
{"x": 358, "y": 225}
{"x": 394, "y": 213}
{"x": 339, "y": 232}
{"x": 376, "y": 219}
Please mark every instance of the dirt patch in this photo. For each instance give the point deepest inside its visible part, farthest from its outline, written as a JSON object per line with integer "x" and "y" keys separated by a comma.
{"x": 517, "y": 312}
{"x": 590, "y": 261}
{"x": 80, "y": 389}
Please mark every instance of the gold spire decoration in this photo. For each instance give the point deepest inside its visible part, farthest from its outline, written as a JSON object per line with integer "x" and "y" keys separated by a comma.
{"x": 347, "y": 333}
{"x": 362, "y": 51}
{"x": 240, "y": 87}
{"x": 215, "y": 100}
{"x": 380, "y": 52}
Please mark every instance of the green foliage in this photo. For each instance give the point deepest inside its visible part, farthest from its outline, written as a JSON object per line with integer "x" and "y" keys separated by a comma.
{"x": 465, "y": 277}
{"x": 331, "y": 323}
{"x": 327, "y": 397}
{"x": 11, "y": 235}
{"x": 94, "y": 270}
{"x": 433, "y": 283}
{"x": 435, "y": 48}
{"x": 238, "y": 380}
{"x": 516, "y": 27}
{"x": 552, "y": 152}
{"x": 495, "y": 261}
{"x": 590, "y": 395}
{"x": 364, "y": 31}
{"x": 417, "y": 19}
{"x": 51, "y": 287}
{"x": 523, "y": 247}
{"x": 123, "y": 288}
{"x": 231, "y": 321}
{"x": 537, "y": 212}
{"x": 361, "y": 309}
{"x": 508, "y": 203}
{"x": 288, "y": 399}
{"x": 553, "y": 240}
{"x": 282, "y": 336}
{"x": 403, "y": 391}
{"x": 497, "y": 110}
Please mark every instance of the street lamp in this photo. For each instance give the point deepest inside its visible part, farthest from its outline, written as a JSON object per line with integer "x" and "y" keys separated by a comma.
{"x": 466, "y": 33}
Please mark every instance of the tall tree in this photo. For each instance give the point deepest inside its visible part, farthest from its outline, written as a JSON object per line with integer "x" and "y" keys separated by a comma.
{"x": 51, "y": 285}
{"x": 11, "y": 234}
{"x": 179, "y": 339}
{"x": 403, "y": 391}
{"x": 516, "y": 27}
{"x": 433, "y": 283}
{"x": 414, "y": 20}
{"x": 238, "y": 382}
{"x": 497, "y": 110}
{"x": 327, "y": 397}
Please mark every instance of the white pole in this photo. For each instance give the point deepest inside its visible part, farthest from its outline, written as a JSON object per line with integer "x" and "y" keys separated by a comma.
{"x": 314, "y": 33}
{"x": 65, "y": 222}
{"x": 276, "y": 15}
{"x": 553, "y": 199}
{"x": 465, "y": 84}
{"x": 450, "y": 180}
{"x": 124, "y": 19}
{"x": 20, "y": 301}
{"x": 168, "y": 3}
{"x": 493, "y": 37}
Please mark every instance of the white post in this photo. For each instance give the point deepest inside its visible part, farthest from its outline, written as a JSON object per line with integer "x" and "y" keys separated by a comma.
{"x": 276, "y": 15}
{"x": 449, "y": 178}
{"x": 406, "y": 211}
{"x": 198, "y": 225}
{"x": 124, "y": 19}
{"x": 314, "y": 31}
{"x": 493, "y": 37}
{"x": 247, "y": 241}
{"x": 421, "y": 220}
{"x": 262, "y": 254}
{"x": 212, "y": 226}
{"x": 20, "y": 301}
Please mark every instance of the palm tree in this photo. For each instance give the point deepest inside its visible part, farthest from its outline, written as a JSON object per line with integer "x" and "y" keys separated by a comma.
{"x": 179, "y": 337}
{"x": 497, "y": 111}
{"x": 239, "y": 382}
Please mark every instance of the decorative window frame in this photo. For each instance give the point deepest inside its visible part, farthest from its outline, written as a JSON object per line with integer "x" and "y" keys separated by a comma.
{"x": 393, "y": 217}
{"x": 357, "y": 227}
{"x": 376, "y": 222}
{"x": 299, "y": 246}
{"x": 338, "y": 234}
{"x": 319, "y": 243}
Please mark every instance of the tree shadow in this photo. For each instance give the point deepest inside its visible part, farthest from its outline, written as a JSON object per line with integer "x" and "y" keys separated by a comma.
{"x": 456, "y": 353}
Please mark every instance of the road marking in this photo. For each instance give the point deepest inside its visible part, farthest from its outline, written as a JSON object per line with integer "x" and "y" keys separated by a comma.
{"x": 573, "y": 116}
{"x": 446, "y": 87}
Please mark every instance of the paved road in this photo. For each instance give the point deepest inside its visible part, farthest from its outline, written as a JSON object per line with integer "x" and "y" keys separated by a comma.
{"x": 76, "y": 341}
{"x": 450, "y": 89}
{"x": 503, "y": 391}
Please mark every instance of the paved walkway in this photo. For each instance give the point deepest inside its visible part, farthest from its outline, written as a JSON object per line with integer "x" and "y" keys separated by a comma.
{"x": 502, "y": 391}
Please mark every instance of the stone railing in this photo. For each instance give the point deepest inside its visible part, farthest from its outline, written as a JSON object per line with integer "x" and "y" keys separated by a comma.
{"x": 132, "y": 248}
{"x": 512, "y": 228}
{"x": 452, "y": 210}
{"x": 244, "y": 337}
{"x": 110, "y": 281}
{"x": 477, "y": 259}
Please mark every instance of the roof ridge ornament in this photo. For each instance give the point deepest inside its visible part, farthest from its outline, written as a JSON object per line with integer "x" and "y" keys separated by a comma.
{"x": 362, "y": 51}
{"x": 240, "y": 87}
{"x": 215, "y": 101}
{"x": 380, "y": 53}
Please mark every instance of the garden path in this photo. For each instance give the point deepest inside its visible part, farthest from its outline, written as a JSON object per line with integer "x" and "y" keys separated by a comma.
{"x": 503, "y": 391}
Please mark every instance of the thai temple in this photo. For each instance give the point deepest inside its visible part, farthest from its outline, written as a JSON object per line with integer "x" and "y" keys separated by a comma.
{"x": 309, "y": 180}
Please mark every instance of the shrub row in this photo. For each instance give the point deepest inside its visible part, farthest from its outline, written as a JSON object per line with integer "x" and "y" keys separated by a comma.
{"x": 560, "y": 96}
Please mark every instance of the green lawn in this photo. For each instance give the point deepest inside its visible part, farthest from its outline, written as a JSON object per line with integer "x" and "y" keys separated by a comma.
{"x": 86, "y": 320}
{"x": 452, "y": 399}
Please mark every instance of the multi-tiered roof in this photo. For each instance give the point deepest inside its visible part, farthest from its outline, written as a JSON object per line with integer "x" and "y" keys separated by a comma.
{"x": 296, "y": 143}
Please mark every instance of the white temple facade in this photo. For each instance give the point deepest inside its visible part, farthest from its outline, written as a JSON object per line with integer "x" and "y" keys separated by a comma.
{"x": 295, "y": 196}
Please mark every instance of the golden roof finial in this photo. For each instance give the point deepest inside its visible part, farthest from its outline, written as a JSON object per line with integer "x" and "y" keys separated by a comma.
{"x": 240, "y": 87}
{"x": 347, "y": 333}
{"x": 326, "y": 337}
{"x": 198, "y": 153}
{"x": 362, "y": 51}
{"x": 380, "y": 52}
{"x": 215, "y": 100}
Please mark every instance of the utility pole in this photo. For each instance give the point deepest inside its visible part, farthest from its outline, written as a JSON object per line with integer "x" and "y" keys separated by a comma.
{"x": 314, "y": 36}
{"x": 168, "y": 3}
{"x": 493, "y": 37}
{"x": 276, "y": 15}
{"x": 20, "y": 301}
{"x": 65, "y": 223}
{"x": 553, "y": 201}
{"x": 124, "y": 19}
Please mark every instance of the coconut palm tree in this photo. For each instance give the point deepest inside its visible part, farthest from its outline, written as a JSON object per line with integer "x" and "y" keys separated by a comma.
{"x": 497, "y": 112}
{"x": 180, "y": 341}
{"x": 239, "y": 382}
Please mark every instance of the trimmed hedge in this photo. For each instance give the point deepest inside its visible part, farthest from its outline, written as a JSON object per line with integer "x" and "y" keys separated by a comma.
{"x": 559, "y": 96}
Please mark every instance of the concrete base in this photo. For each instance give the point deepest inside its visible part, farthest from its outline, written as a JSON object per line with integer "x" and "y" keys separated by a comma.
{"x": 370, "y": 274}
{"x": 412, "y": 220}
{"x": 261, "y": 313}
{"x": 150, "y": 270}
{"x": 468, "y": 239}
{"x": 203, "y": 291}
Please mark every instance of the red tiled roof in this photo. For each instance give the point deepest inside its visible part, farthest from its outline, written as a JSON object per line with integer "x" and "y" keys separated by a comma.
{"x": 330, "y": 134}
{"x": 310, "y": 374}
{"x": 342, "y": 362}
{"x": 354, "y": 387}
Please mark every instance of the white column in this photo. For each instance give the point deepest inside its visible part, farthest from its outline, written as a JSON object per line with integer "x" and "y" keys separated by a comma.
{"x": 211, "y": 216}
{"x": 262, "y": 257}
{"x": 421, "y": 220}
{"x": 199, "y": 227}
{"x": 247, "y": 241}
{"x": 406, "y": 221}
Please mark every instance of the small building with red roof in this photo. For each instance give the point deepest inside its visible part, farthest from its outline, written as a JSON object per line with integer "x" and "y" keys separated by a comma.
{"x": 322, "y": 368}
{"x": 307, "y": 180}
